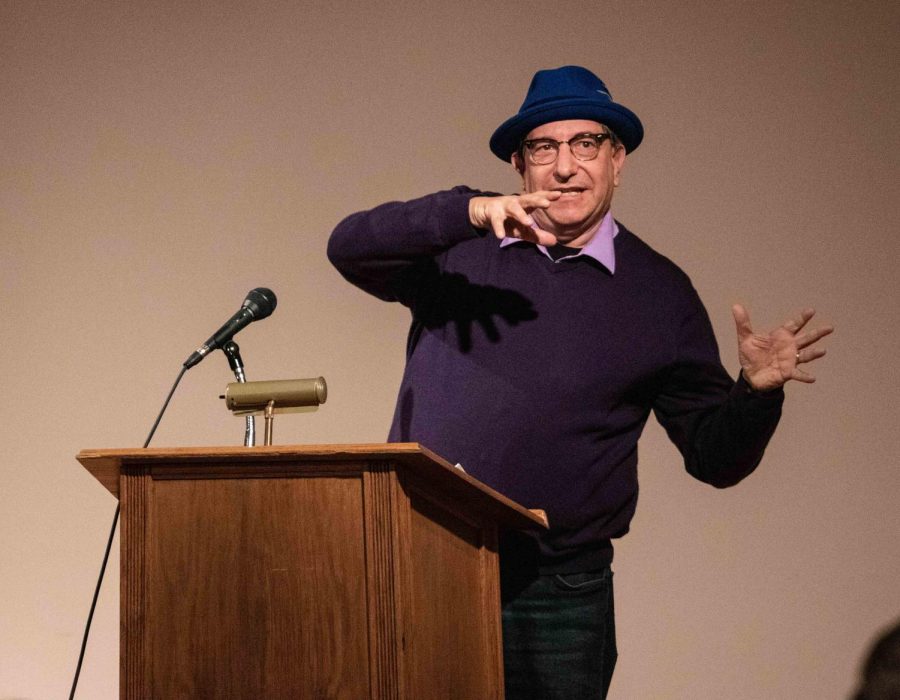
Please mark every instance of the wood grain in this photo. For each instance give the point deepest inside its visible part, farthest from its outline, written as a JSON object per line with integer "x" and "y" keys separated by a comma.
{"x": 257, "y": 594}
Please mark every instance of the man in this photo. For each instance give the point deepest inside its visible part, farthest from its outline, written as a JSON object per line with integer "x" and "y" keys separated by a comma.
{"x": 534, "y": 361}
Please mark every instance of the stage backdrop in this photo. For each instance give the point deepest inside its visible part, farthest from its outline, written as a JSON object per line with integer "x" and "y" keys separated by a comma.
{"x": 159, "y": 159}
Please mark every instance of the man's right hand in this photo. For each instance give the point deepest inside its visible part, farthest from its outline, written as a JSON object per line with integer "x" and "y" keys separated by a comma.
{"x": 510, "y": 215}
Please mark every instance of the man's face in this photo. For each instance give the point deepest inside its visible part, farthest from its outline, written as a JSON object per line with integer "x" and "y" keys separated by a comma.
{"x": 586, "y": 185}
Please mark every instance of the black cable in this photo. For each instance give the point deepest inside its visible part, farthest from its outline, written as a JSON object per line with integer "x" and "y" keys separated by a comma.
{"x": 112, "y": 532}
{"x": 87, "y": 628}
{"x": 165, "y": 406}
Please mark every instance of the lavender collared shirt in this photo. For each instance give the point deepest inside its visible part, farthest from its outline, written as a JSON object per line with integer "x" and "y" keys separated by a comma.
{"x": 599, "y": 246}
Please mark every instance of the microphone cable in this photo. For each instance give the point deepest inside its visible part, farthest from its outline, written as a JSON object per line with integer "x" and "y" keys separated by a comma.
{"x": 112, "y": 532}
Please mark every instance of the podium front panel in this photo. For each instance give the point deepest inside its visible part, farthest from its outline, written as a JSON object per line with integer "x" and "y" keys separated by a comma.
{"x": 254, "y": 588}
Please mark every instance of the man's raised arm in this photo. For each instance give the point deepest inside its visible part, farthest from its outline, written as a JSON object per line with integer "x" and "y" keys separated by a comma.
{"x": 374, "y": 249}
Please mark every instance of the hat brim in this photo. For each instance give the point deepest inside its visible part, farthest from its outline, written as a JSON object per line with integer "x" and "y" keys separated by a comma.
{"x": 621, "y": 120}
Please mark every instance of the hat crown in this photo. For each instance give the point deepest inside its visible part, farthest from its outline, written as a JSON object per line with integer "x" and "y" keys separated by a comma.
{"x": 565, "y": 83}
{"x": 566, "y": 93}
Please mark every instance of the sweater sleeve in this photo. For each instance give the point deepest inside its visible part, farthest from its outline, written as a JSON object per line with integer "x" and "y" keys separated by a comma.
{"x": 386, "y": 250}
{"x": 720, "y": 426}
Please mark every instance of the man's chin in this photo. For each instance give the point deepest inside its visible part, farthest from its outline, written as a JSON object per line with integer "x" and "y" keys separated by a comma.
{"x": 566, "y": 230}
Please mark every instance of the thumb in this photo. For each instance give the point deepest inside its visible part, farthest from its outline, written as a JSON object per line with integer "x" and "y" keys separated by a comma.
{"x": 741, "y": 320}
{"x": 544, "y": 237}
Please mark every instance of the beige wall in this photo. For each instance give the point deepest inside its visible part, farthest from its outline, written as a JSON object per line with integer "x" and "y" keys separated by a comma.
{"x": 159, "y": 159}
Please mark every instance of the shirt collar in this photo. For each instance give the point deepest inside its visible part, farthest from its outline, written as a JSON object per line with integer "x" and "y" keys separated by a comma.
{"x": 600, "y": 246}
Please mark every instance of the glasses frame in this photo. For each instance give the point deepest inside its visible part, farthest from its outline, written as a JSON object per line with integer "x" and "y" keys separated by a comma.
{"x": 601, "y": 138}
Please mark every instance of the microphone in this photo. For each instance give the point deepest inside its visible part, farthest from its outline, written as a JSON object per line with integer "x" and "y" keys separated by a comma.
{"x": 260, "y": 302}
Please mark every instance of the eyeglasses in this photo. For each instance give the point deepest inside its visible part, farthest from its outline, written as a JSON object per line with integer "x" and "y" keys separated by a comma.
{"x": 583, "y": 147}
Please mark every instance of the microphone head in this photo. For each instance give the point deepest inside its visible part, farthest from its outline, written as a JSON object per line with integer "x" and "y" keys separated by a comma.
{"x": 260, "y": 302}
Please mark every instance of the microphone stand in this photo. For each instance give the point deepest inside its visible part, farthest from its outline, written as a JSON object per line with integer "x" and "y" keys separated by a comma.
{"x": 233, "y": 353}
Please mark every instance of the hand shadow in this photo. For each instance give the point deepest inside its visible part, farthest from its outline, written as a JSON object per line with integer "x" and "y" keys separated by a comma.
{"x": 451, "y": 298}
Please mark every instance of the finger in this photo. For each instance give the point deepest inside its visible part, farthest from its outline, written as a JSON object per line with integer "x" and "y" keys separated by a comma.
{"x": 498, "y": 225}
{"x": 533, "y": 233}
{"x": 517, "y": 214}
{"x": 511, "y": 228}
{"x": 540, "y": 199}
{"x": 801, "y": 376}
{"x": 811, "y": 337}
{"x": 810, "y": 354}
{"x": 544, "y": 237}
{"x": 503, "y": 213}
{"x": 797, "y": 322}
{"x": 741, "y": 321}
{"x": 524, "y": 226}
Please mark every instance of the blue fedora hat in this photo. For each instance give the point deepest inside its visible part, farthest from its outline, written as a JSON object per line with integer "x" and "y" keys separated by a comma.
{"x": 570, "y": 92}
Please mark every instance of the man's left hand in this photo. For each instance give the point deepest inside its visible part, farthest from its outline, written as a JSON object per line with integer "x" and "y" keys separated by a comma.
{"x": 769, "y": 360}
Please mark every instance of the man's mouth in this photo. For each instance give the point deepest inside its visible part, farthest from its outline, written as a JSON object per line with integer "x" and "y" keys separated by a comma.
{"x": 569, "y": 192}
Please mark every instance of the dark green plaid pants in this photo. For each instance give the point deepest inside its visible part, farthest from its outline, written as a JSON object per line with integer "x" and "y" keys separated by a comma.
{"x": 559, "y": 636}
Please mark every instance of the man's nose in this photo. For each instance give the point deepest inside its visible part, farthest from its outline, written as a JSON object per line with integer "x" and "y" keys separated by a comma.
{"x": 566, "y": 164}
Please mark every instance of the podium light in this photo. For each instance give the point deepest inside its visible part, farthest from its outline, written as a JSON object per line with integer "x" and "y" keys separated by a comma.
{"x": 275, "y": 396}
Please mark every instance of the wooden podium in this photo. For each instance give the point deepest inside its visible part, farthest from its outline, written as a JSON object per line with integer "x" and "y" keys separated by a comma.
{"x": 331, "y": 571}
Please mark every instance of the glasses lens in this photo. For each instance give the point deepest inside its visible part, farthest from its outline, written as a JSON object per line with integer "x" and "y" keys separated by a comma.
{"x": 585, "y": 146}
{"x": 542, "y": 151}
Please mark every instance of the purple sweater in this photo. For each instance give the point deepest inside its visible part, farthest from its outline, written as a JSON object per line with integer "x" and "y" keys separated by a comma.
{"x": 538, "y": 377}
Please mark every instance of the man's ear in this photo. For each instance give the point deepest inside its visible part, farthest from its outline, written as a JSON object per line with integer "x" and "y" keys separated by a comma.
{"x": 618, "y": 159}
{"x": 518, "y": 163}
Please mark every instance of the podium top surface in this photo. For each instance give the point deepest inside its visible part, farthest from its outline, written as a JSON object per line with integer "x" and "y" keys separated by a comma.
{"x": 106, "y": 465}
